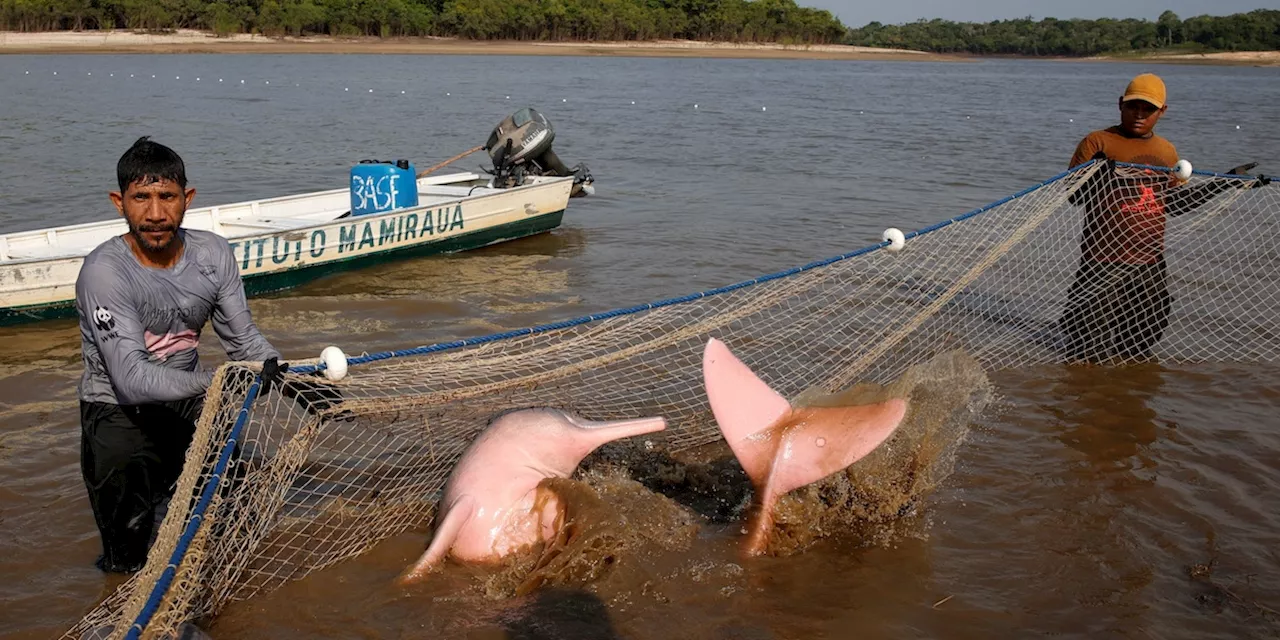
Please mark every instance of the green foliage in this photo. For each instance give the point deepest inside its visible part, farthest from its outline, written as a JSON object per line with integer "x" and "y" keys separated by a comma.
{"x": 1253, "y": 31}
{"x": 732, "y": 20}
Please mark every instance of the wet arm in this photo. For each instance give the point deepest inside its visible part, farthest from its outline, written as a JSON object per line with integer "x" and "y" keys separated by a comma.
{"x": 231, "y": 318}
{"x": 1088, "y": 150}
{"x": 1187, "y": 198}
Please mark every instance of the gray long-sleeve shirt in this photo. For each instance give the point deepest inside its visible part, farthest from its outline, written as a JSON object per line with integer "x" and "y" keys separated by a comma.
{"x": 140, "y": 326}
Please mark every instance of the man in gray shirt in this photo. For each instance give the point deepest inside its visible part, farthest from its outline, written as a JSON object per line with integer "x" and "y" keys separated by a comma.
{"x": 143, "y": 299}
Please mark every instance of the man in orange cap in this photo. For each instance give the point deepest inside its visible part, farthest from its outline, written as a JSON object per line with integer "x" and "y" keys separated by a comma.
{"x": 1118, "y": 307}
{"x": 1133, "y": 140}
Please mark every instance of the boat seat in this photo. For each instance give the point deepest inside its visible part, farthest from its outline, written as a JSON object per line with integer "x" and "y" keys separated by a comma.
{"x": 27, "y": 253}
{"x": 445, "y": 190}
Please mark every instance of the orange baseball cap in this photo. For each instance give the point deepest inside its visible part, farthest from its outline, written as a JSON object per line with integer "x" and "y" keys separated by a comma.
{"x": 1147, "y": 87}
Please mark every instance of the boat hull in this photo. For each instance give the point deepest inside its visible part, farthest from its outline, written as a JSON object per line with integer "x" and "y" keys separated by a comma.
{"x": 280, "y": 260}
{"x": 273, "y": 281}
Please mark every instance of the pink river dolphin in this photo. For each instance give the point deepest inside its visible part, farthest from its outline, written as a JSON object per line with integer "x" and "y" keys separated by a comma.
{"x": 492, "y": 506}
{"x": 783, "y": 448}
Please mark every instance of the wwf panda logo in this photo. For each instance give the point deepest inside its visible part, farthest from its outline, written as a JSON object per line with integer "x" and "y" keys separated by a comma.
{"x": 102, "y": 318}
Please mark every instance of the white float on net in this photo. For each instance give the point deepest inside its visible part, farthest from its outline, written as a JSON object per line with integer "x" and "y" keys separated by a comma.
{"x": 895, "y": 238}
{"x": 335, "y": 363}
{"x": 1183, "y": 169}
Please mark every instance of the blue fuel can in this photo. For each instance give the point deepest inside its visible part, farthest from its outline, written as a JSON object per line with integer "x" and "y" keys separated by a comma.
{"x": 380, "y": 186}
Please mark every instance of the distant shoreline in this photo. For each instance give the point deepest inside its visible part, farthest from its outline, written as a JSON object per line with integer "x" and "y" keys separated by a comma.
{"x": 193, "y": 41}
{"x": 1233, "y": 58}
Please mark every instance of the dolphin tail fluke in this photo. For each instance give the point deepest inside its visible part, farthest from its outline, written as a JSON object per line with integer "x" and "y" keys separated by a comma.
{"x": 442, "y": 541}
{"x": 825, "y": 440}
{"x": 759, "y": 526}
{"x": 782, "y": 448}
{"x": 744, "y": 407}
{"x": 822, "y": 441}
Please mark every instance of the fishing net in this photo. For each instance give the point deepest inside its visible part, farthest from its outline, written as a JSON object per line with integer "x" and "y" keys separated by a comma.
{"x": 306, "y": 481}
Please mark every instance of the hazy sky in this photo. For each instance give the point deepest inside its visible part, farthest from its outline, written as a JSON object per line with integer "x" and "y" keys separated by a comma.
{"x": 856, "y": 13}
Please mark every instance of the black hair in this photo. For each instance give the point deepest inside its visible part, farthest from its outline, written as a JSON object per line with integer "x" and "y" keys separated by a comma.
{"x": 150, "y": 161}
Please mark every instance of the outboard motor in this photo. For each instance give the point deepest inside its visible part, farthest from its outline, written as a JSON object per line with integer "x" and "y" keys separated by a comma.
{"x": 520, "y": 146}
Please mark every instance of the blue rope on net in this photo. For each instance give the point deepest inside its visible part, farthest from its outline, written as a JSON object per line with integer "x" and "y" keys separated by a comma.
{"x": 161, "y": 586}
{"x": 1195, "y": 172}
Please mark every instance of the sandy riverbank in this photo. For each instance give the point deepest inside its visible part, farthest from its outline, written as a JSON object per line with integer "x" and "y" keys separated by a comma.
{"x": 190, "y": 41}
{"x": 194, "y": 41}
{"x": 1240, "y": 58}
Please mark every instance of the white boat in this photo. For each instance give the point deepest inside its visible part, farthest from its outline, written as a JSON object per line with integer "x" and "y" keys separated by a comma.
{"x": 283, "y": 242}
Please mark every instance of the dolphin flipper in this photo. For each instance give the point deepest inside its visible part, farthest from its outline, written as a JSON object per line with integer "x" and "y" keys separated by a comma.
{"x": 442, "y": 541}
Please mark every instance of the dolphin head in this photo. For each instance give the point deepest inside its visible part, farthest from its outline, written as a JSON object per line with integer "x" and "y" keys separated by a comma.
{"x": 557, "y": 441}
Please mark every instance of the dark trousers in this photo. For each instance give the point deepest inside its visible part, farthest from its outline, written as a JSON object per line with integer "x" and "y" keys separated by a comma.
{"x": 131, "y": 457}
{"x": 1116, "y": 310}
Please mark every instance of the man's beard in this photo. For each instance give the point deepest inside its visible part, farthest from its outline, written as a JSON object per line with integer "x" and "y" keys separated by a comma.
{"x": 139, "y": 231}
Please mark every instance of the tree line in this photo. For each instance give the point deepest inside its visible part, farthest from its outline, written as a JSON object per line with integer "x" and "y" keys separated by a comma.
{"x": 1254, "y": 31}
{"x": 723, "y": 20}
{"x": 780, "y": 21}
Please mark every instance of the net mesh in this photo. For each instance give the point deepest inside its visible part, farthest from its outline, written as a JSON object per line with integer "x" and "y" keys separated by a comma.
{"x": 1179, "y": 272}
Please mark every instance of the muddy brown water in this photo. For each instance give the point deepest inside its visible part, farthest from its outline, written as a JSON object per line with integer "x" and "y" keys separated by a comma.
{"x": 1129, "y": 502}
